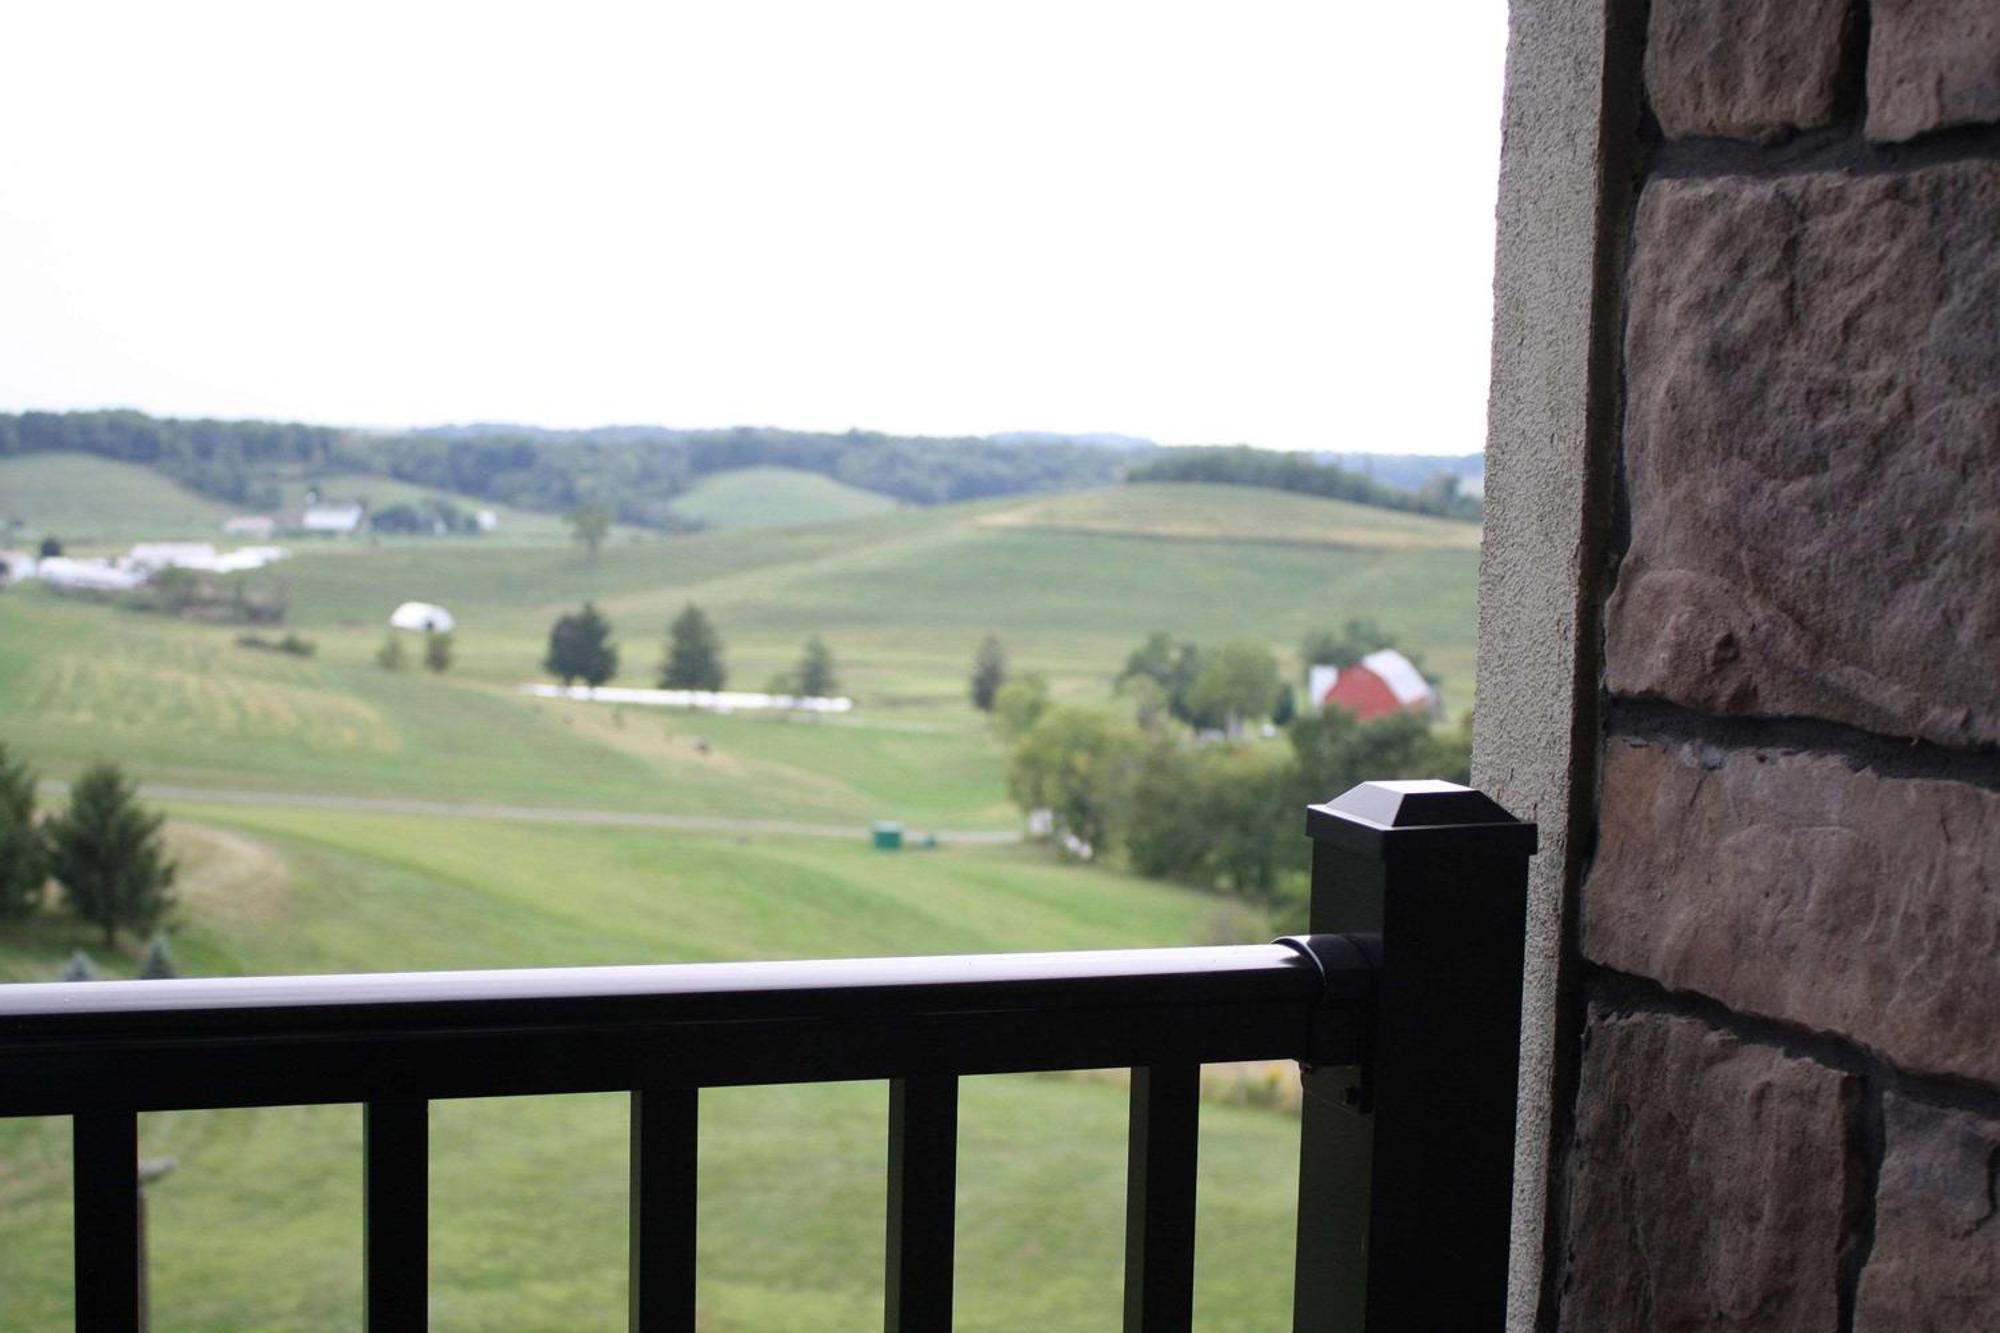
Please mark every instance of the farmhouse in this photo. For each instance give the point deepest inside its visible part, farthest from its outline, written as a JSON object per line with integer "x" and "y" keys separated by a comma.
{"x": 1381, "y": 683}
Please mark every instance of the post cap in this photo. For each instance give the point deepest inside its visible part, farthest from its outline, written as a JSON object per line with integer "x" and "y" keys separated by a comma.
{"x": 1373, "y": 813}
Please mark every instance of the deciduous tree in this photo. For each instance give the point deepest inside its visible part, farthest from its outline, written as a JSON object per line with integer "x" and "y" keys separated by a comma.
{"x": 589, "y": 524}
{"x": 1077, "y": 763}
{"x": 1019, "y": 705}
{"x": 1239, "y": 684}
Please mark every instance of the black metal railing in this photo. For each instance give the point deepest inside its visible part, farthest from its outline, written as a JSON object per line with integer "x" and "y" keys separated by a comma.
{"x": 1408, "y": 1023}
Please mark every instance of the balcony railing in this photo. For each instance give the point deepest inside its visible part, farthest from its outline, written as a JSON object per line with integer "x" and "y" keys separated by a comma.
{"x": 1404, "y": 1008}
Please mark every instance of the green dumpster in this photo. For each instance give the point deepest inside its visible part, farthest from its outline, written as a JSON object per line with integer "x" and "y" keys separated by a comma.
{"x": 888, "y": 836}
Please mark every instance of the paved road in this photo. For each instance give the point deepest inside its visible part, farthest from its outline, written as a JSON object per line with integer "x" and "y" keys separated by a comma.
{"x": 548, "y": 814}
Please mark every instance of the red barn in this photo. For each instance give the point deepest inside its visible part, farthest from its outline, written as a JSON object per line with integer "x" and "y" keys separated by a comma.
{"x": 1381, "y": 683}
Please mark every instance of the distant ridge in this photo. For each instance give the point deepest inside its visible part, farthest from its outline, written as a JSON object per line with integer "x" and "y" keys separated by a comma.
{"x": 1100, "y": 439}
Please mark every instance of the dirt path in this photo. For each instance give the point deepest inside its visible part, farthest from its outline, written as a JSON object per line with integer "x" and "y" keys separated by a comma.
{"x": 543, "y": 814}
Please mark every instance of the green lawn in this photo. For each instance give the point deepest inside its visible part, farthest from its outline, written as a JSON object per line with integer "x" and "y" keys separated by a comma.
{"x": 771, "y": 497}
{"x": 259, "y": 1224}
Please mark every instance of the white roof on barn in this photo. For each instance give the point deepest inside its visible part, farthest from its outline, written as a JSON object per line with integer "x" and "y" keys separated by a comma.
{"x": 421, "y": 616}
{"x": 1400, "y": 675}
{"x": 331, "y": 518}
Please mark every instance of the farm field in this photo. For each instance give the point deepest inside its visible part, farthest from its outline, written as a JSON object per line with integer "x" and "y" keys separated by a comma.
{"x": 84, "y": 500}
{"x": 775, "y": 497}
{"x": 258, "y": 1225}
{"x": 902, "y": 598}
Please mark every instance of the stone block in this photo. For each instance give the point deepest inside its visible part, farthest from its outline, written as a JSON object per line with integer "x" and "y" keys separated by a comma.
{"x": 1711, "y": 1183}
{"x": 1799, "y": 888}
{"x": 1745, "y": 69}
{"x": 1932, "y": 64}
{"x": 1935, "y": 1265}
{"x": 1812, "y": 451}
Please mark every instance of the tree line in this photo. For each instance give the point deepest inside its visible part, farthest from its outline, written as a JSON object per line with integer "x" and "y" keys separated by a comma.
{"x": 1240, "y": 465}
{"x": 638, "y": 471}
{"x": 1167, "y": 781}
{"x": 580, "y": 649}
{"x": 231, "y": 460}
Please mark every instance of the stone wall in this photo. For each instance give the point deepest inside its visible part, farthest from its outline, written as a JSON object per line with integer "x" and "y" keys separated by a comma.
{"x": 1786, "y": 1105}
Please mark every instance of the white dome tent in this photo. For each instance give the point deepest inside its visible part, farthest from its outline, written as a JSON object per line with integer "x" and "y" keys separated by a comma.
{"x": 422, "y": 617}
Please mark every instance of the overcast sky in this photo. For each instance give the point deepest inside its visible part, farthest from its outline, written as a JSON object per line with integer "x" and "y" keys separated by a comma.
{"x": 1259, "y": 222}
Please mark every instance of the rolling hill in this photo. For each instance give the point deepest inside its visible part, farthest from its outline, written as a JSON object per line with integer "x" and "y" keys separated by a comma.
{"x": 770, "y": 497}
{"x": 902, "y": 598}
{"x": 85, "y": 500}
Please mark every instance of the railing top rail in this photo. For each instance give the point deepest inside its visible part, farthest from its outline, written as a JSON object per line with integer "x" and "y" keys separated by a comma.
{"x": 818, "y": 988}
{"x": 275, "y": 1040}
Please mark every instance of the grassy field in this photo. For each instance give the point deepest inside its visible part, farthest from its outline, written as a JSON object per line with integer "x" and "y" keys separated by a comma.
{"x": 258, "y": 1225}
{"x": 96, "y": 503}
{"x": 902, "y": 598}
{"x": 768, "y": 497}
{"x": 85, "y": 500}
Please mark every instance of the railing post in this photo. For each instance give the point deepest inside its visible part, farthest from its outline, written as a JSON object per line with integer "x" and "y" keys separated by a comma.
{"x": 1406, "y": 1162}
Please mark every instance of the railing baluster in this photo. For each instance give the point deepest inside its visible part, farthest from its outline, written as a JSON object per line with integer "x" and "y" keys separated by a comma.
{"x": 1159, "y": 1199}
{"x": 665, "y": 1151}
{"x": 396, "y": 1264}
{"x": 923, "y": 1202}
{"x": 105, "y": 1176}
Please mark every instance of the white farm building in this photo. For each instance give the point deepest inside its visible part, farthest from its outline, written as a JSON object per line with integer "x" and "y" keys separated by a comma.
{"x": 334, "y": 520}
{"x": 422, "y": 618}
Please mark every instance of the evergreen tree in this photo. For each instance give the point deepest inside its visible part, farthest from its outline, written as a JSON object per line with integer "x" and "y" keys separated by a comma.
{"x": 79, "y": 968}
{"x": 158, "y": 964}
{"x": 580, "y": 648}
{"x": 390, "y": 656}
{"x": 1286, "y": 709}
{"x": 815, "y": 675}
{"x": 694, "y": 653}
{"x": 989, "y": 672}
{"x": 437, "y": 651}
{"x": 24, "y": 858}
{"x": 106, "y": 853}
